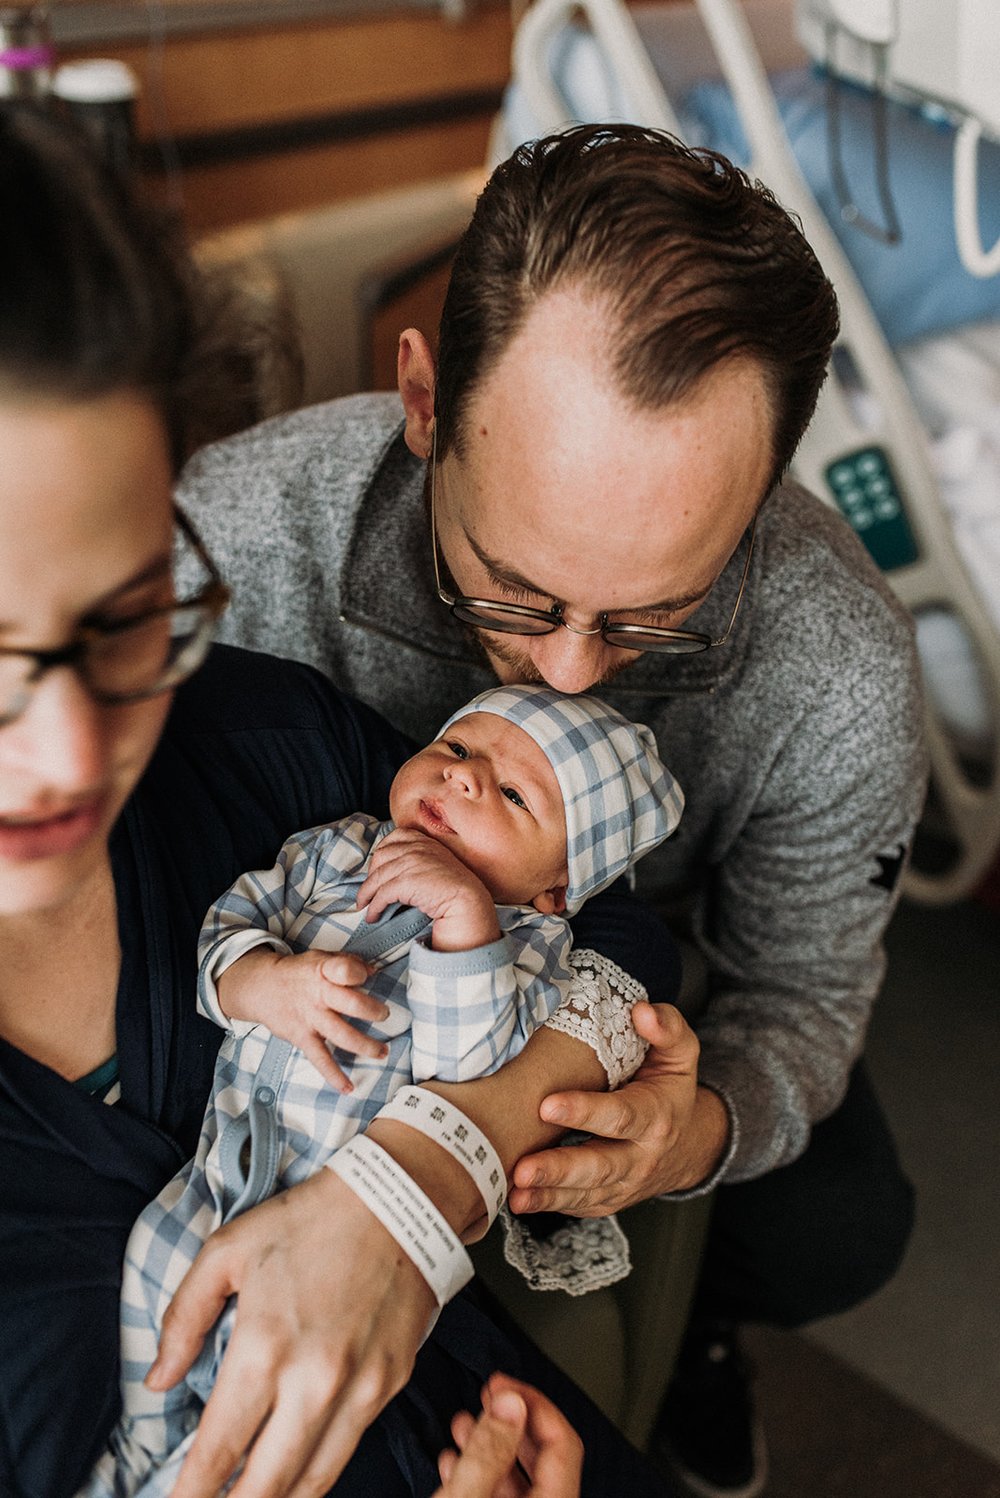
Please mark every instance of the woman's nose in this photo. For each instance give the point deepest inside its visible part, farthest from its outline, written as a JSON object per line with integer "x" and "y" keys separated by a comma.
{"x": 62, "y": 734}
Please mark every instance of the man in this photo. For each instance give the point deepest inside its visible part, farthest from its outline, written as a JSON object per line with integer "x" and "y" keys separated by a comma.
{"x": 584, "y": 492}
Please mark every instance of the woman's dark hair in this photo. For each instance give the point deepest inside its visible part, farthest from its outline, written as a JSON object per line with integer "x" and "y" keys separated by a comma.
{"x": 98, "y": 292}
{"x": 696, "y": 264}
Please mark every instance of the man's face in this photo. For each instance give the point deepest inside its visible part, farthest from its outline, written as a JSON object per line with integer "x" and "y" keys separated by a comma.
{"x": 564, "y": 493}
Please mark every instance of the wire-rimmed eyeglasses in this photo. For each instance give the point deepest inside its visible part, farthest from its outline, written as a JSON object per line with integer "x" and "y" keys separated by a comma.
{"x": 520, "y": 619}
{"x": 125, "y": 661}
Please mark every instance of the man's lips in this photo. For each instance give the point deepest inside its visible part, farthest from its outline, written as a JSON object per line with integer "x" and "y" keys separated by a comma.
{"x": 28, "y": 836}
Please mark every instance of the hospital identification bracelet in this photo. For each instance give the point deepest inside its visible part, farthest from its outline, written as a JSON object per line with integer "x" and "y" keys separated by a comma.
{"x": 404, "y": 1210}
{"x": 447, "y": 1126}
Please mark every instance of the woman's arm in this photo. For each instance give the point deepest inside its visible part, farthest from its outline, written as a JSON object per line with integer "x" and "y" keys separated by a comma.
{"x": 331, "y": 1310}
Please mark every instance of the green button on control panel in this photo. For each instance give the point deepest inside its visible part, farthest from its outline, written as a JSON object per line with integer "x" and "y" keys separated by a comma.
{"x": 865, "y": 489}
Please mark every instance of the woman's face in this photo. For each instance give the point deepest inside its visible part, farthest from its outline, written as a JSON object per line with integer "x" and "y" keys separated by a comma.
{"x": 85, "y": 537}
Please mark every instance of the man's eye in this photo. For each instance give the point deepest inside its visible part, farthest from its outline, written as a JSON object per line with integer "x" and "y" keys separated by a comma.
{"x": 458, "y": 749}
{"x": 512, "y": 795}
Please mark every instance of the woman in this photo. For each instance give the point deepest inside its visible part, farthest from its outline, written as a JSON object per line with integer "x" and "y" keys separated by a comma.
{"x": 131, "y": 792}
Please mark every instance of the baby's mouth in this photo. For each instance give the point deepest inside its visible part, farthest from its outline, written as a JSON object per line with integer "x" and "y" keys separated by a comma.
{"x": 434, "y": 818}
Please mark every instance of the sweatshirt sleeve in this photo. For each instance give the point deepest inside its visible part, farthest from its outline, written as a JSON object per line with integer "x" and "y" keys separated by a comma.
{"x": 792, "y": 919}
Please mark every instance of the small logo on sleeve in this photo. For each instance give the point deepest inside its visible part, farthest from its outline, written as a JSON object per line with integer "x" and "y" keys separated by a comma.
{"x": 890, "y": 866}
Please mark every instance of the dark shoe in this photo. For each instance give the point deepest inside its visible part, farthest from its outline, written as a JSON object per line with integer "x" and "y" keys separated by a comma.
{"x": 707, "y": 1437}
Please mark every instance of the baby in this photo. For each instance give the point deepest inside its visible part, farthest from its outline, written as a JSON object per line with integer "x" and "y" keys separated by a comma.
{"x": 526, "y": 804}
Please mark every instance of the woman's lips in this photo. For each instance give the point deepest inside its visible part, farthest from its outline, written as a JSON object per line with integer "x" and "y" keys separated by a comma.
{"x": 27, "y": 838}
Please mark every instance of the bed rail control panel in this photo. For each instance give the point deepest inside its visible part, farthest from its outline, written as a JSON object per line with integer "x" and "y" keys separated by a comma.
{"x": 865, "y": 489}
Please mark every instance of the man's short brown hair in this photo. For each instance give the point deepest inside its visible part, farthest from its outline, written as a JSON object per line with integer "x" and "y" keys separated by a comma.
{"x": 697, "y": 265}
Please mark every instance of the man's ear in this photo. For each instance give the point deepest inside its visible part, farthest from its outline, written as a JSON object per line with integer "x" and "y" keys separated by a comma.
{"x": 415, "y": 373}
{"x": 551, "y": 901}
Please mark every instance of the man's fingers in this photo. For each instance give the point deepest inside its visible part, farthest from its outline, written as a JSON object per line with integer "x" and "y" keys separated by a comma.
{"x": 673, "y": 1042}
{"x": 462, "y": 1426}
{"x": 447, "y": 1462}
{"x": 608, "y": 1115}
{"x": 570, "y": 1202}
{"x": 574, "y": 1167}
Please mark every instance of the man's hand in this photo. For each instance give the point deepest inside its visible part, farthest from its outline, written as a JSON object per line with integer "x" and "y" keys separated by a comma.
{"x": 329, "y": 1318}
{"x": 413, "y": 868}
{"x": 303, "y": 998}
{"x": 520, "y": 1447}
{"x": 660, "y": 1132}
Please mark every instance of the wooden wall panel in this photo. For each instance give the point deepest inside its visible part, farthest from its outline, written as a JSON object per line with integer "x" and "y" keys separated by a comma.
{"x": 229, "y": 193}
{"x": 273, "y": 119}
{"x": 228, "y": 79}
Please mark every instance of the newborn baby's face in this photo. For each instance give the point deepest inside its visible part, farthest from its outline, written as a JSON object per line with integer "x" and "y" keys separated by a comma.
{"x": 487, "y": 791}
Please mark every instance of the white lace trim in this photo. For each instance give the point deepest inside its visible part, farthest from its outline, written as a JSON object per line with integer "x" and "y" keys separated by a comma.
{"x": 598, "y": 1011}
{"x": 586, "y": 1254}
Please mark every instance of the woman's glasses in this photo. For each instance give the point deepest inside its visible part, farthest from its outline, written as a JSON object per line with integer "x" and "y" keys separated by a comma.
{"x": 131, "y": 660}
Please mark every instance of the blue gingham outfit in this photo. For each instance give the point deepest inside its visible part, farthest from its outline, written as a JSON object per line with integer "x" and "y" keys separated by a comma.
{"x": 273, "y": 1121}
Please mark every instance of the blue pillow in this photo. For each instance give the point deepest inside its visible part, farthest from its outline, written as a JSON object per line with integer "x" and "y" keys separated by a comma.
{"x": 919, "y": 285}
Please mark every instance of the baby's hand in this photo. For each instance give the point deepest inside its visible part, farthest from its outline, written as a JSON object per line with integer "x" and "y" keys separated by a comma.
{"x": 413, "y": 868}
{"x": 303, "y": 999}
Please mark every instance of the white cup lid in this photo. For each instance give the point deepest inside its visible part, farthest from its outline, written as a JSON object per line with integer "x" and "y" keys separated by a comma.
{"x": 96, "y": 80}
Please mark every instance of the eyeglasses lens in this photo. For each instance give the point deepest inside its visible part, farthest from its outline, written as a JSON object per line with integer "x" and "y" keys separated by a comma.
{"x": 502, "y": 620}
{"x": 150, "y": 655}
{"x": 676, "y": 644}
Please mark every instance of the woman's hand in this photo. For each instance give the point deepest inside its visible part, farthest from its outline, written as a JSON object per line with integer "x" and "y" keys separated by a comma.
{"x": 660, "y": 1132}
{"x": 329, "y": 1318}
{"x": 520, "y": 1445}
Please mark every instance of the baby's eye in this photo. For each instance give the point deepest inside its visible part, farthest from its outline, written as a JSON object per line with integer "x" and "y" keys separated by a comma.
{"x": 512, "y": 795}
{"x": 458, "y": 749}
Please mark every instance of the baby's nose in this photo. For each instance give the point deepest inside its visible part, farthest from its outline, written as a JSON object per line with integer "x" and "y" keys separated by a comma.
{"x": 465, "y": 774}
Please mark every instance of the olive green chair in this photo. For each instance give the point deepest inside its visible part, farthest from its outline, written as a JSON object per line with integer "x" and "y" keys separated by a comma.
{"x": 619, "y": 1344}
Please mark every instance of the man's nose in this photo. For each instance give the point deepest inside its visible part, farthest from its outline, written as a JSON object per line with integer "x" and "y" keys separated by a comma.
{"x": 62, "y": 735}
{"x": 569, "y": 662}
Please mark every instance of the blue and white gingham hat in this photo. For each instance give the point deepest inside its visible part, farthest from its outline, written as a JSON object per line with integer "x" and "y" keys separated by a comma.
{"x": 620, "y": 799}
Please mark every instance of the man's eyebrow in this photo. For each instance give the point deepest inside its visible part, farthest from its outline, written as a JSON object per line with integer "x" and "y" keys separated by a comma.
{"x": 515, "y": 579}
{"x": 501, "y": 571}
{"x": 152, "y": 572}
